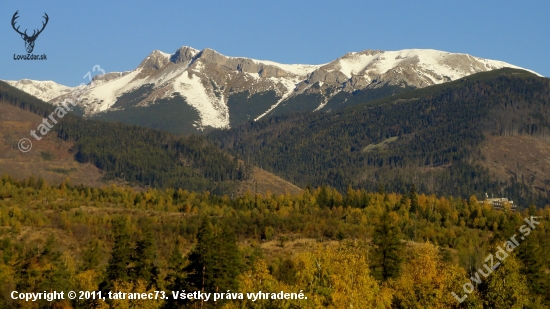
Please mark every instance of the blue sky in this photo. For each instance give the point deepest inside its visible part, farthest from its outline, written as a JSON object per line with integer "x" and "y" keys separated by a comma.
{"x": 118, "y": 35}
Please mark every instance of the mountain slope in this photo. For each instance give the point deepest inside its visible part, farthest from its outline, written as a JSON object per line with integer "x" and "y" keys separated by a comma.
{"x": 193, "y": 90}
{"x": 81, "y": 149}
{"x": 49, "y": 159}
{"x": 432, "y": 137}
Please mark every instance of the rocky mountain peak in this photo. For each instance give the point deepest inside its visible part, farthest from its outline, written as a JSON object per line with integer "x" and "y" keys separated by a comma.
{"x": 157, "y": 60}
{"x": 184, "y": 54}
{"x": 214, "y": 60}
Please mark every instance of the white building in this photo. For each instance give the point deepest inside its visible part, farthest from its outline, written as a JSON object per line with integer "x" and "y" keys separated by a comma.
{"x": 499, "y": 203}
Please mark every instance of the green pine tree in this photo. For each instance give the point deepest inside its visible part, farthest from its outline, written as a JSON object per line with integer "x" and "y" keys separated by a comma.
{"x": 414, "y": 199}
{"x": 532, "y": 258}
{"x": 118, "y": 268}
{"x": 143, "y": 259}
{"x": 388, "y": 249}
{"x": 91, "y": 255}
{"x": 176, "y": 280}
{"x": 215, "y": 261}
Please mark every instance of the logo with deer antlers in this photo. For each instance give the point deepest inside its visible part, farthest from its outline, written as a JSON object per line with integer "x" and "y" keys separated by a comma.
{"x": 29, "y": 40}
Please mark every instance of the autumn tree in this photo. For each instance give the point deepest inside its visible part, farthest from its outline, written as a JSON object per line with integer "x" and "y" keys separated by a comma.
{"x": 426, "y": 281}
{"x": 506, "y": 287}
{"x": 332, "y": 276}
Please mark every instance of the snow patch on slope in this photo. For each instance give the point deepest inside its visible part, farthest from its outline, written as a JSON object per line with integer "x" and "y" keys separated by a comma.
{"x": 354, "y": 64}
{"x": 297, "y": 69}
{"x": 213, "y": 113}
{"x": 106, "y": 94}
{"x": 290, "y": 85}
{"x": 166, "y": 55}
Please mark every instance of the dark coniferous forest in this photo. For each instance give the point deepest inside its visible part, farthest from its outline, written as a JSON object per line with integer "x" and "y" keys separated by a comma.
{"x": 430, "y": 137}
{"x": 140, "y": 155}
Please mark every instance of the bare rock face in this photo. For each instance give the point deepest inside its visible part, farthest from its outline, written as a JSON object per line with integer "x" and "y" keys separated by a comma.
{"x": 241, "y": 65}
{"x": 328, "y": 75}
{"x": 99, "y": 79}
{"x": 183, "y": 55}
{"x": 155, "y": 61}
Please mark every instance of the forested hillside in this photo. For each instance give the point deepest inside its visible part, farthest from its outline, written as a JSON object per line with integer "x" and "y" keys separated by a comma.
{"x": 353, "y": 249}
{"x": 431, "y": 137}
{"x": 139, "y": 155}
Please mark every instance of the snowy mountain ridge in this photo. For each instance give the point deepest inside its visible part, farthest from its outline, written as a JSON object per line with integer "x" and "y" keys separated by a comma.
{"x": 44, "y": 90}
{"x": 227, "y": 90}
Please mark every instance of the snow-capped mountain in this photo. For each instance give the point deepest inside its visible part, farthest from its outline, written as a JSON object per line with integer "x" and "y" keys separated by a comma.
{"x": 222, "y": 91}
{"x": 44, "y": 90}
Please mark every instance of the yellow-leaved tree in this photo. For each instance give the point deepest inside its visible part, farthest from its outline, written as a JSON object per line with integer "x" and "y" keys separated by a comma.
{"x": 257, "y": 279}
{"x": 339, "y": 277}
{"x": 427, "y": 282}
{"x": 506, "y": 287}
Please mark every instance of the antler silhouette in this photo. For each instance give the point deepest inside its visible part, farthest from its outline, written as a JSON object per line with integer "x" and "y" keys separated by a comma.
{"x": 29, "y": 40}
{"x": 43, "y": 25}
{"x": 13, "y": 24}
